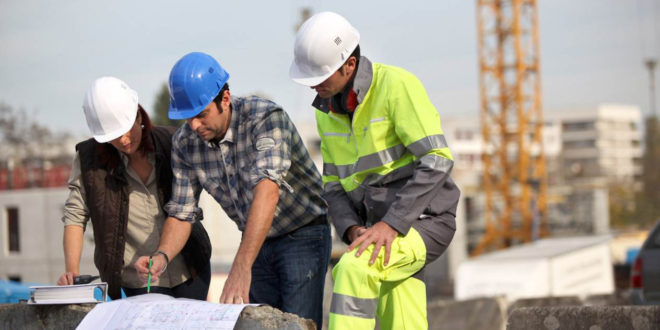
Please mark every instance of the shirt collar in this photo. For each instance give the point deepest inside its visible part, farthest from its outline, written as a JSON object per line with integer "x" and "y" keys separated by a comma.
{"x": 361, "y": 84}
{"x": 233, "y": 121}
{"x": 130, "y": 172}
{"x": 124, "y": 158}
{"x": 233, "y": 125}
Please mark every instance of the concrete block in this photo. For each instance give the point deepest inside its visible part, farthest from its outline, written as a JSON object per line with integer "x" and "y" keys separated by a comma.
{"x": 266, "y": 318}
{"x": 585, "y": 317}
{"x": 546, "y": 302}
{"x": 23, "y": 316}
{"x": 474, "y": 314}
{"x": 615, "y": 299}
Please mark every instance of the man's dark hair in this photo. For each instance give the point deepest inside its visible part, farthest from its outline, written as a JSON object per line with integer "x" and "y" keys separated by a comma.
{"x": 218, "y": 98}
{"x": 356, "y": 52}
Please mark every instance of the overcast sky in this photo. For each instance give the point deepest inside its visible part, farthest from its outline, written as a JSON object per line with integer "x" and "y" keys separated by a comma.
{"x": 592, "y": 51}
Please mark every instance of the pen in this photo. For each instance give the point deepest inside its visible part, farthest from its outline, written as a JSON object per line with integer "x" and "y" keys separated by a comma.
{"x": 149, "y": 277}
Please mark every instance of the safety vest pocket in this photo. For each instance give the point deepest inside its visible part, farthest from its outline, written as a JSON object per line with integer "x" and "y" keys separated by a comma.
{"x": 340, "y": 135}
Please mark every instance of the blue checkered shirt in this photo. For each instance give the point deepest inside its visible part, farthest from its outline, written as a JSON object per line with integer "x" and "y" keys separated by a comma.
{"x": 260, "y": 143}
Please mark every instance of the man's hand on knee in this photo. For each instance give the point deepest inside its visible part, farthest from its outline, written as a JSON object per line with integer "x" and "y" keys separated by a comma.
{"x": 380, "y": 234}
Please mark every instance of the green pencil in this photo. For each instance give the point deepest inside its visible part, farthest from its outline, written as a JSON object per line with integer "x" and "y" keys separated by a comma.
{"x": 149, "y": 277}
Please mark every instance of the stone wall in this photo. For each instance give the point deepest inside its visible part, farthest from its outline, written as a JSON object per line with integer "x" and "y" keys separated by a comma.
{"x": 585, "y": 317}
{"x": 23, "y": 316}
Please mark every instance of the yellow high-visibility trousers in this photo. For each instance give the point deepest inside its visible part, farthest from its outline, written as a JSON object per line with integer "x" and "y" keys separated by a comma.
{"x": 362, "y": 292}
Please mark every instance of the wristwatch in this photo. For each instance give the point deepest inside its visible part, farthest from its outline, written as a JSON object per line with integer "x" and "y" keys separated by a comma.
{"x": 167, "y": 259}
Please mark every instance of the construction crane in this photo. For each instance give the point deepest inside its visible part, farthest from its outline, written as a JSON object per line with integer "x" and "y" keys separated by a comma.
{"x": 514, "y": 177}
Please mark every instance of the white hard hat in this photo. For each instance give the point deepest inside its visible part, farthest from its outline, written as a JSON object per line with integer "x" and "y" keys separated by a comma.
{"x": 323, "y": 43}
{"x": 110, "y": 108}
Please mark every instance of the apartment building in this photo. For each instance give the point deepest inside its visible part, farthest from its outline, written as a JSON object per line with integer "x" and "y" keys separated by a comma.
{"x": 601, "y": 145}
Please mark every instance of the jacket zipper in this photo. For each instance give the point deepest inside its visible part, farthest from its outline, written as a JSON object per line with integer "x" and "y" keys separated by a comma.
{"x": 348, "y": 140}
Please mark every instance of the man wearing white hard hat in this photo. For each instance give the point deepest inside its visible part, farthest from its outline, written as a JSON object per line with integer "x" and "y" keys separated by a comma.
{"x": 121, "y": 179}
{"x": 386, "y": 175}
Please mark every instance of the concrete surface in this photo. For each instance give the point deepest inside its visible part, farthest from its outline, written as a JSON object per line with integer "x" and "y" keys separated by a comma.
{"x": 546, "y": 302}
{"x": 554, "y": 313}
{"x": 473, "y": 314}
{"x": 266, "y": 317}
{"x": 585, "y": 317}
{"x": 23, "y": 316}
{"x": 617, "y": 298}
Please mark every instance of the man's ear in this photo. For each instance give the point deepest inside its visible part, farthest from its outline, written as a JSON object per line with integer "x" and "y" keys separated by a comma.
{"x": 226, "y": 100}
{"x": 349, "y": 66}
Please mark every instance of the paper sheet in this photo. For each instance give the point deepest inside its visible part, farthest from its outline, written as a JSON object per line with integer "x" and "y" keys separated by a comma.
{"x": 158, "y": 311}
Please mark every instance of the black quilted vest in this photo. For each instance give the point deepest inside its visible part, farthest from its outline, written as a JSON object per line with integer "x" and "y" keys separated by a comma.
{"x": 106, "y": 197}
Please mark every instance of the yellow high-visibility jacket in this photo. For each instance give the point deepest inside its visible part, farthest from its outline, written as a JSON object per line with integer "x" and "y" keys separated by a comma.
{"x": 388, "y": 160}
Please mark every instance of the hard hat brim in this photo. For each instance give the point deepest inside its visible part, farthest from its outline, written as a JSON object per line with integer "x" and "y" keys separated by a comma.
{"x": 175, "y": 114}
{"x": 103, "y": 138}
{"x": 304, "y": 78}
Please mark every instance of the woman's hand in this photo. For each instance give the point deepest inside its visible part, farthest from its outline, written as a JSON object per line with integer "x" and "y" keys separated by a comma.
{"x": 67, "y": 278}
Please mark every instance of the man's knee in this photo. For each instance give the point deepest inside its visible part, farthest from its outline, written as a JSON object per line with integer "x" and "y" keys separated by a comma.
{"x": 349, "y": 264}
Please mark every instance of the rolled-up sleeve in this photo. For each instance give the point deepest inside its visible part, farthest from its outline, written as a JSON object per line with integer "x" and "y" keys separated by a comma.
{"x": 76, "y": 212}
{"x": 185, "y": 186}
{"x": 272, "y": 149}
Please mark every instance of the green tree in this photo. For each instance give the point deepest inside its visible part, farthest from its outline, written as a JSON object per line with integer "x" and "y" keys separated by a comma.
{"x": 161, "y": 107}
{"x": 640, "y": 209}
{"x": 624, "y": 206}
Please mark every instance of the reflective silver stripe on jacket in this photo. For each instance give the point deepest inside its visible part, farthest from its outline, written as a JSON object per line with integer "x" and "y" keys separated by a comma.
{"x": 418, "y": 148}
{"x": 422, "y": 146}
{"x": 353, "y": 306}
{"x": 380, "y": 158}
{"x": 330, "y": 169}
{"x": 366, "y": 162}
{"x": 437, "y": 162}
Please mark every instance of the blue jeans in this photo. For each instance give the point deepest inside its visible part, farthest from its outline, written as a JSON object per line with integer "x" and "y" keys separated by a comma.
{"x": 289, "y": 272}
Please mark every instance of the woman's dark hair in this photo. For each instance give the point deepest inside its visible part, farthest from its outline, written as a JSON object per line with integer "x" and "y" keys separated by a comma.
{"x": 146, "y": 144}
{"x": 109, "y": 155}
{"x": 218, "y": 98}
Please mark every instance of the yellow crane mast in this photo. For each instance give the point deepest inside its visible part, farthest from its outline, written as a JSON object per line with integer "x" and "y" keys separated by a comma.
{"x": 514, "y": 177}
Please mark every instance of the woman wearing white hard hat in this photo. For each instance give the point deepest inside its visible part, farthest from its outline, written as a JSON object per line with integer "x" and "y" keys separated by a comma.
{"x": 121, "y": 179}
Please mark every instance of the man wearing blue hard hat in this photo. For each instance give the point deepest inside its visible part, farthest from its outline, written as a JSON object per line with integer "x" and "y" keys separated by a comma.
{"x": 247, "y": 154}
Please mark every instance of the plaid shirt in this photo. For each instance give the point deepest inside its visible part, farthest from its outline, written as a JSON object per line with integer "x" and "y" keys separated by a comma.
{"x": 260, "y": 143}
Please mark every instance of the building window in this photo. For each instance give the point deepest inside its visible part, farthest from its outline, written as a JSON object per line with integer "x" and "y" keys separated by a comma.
{"x": 577, "y": 126}
{"x": 579, "y": 144}
{"x": 15, "y": 278}
{"x": 13, "y": 230}
{"x": 464, "y": 135}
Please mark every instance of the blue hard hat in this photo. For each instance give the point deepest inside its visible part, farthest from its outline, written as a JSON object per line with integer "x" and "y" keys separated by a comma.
{"x": 195, "y": 80}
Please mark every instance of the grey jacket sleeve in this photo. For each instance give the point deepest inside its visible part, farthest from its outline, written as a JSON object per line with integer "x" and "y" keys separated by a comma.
{"x": 341, "y": 212}
{"x": 428, "y": 190}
